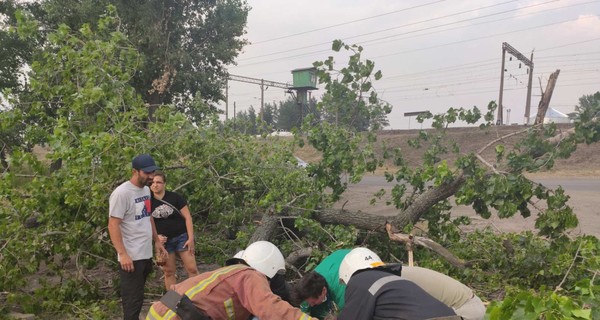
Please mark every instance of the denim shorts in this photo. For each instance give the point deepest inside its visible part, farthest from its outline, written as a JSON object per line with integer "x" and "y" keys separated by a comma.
{"x": 176, "y": 244}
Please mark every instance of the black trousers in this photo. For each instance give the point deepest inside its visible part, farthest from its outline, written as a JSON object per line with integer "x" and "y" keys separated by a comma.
{"x": 132, "y": 288}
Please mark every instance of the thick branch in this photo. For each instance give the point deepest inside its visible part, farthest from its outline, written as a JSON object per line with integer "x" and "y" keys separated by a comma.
{"x": 428, "y": 199}
{"x": 427, "y": 243}
{"x": 267, "y": 227}
{"x": 293, "y": 257}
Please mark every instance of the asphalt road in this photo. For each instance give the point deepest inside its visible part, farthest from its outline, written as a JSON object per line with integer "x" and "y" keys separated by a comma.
{"x": 584, "y": 193}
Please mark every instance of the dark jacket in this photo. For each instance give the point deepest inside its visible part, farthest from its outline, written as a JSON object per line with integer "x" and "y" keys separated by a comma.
{"x": 377, "y": 294}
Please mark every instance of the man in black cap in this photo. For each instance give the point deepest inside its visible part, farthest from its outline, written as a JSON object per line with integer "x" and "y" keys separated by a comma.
{"x": 131, "y": 231}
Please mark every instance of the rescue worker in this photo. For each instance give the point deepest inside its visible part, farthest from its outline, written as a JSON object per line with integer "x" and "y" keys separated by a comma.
{"x": 448, "y": 290}
{"x": 232, "y": 292}
{"x": 375, "y": 292}
{"x": 321, "y": 290}
{"x": 324, "y": 296}
{"x": 277, "y": 283}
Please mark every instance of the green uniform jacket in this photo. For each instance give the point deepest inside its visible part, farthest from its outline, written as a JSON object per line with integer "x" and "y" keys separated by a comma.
{"x": 329, "y": 269}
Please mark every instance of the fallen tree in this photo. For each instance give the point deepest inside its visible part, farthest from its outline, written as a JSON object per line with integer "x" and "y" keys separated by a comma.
{"x": 230, "y": 179}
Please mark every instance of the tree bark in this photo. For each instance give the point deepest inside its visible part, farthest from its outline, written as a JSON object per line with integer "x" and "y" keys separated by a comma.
{"x": 267, "y": 227}
{"x": 546, "y": 96}
{"x": 366, "y": 221}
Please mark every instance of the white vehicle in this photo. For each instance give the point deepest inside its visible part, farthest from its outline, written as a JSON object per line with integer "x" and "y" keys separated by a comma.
{"x": 301, "y": 163}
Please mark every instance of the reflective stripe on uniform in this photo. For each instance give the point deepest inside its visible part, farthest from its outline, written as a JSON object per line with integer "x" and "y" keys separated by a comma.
{"x": 381, "y": 282}
{"x": 213, "y": 277}
{"x": 229, "y": 309}
{"x": 304, "y": 316}
{"x": 170, "y": 314}
{"x": 153, "y": 315}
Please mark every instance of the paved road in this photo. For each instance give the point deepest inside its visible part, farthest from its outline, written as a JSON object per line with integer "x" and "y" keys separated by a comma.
{"x": 584, "y": 193}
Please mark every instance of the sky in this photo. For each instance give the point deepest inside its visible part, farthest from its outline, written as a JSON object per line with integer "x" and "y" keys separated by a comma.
{"x": 433, "y": 54}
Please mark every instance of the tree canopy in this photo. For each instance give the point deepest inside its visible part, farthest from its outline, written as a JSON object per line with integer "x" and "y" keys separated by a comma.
{"x": 85, "y": 107}
{"x": 183, "y": 45}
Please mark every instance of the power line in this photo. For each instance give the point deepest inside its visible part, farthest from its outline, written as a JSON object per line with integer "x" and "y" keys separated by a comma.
{"x": 384, "y": 30}
{"x": 420, "y": 49}
{"x": 432, "y": 27}
{"x": 568, "y": 55}
{"x": 470, "y": 92}
{"x": 573, "y": 43}
{"x": 489, "y": 36}
{"x": 350, "y": 22}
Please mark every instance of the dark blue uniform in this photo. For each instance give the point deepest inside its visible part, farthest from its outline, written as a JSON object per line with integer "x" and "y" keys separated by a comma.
{"x": 378, "y": 294}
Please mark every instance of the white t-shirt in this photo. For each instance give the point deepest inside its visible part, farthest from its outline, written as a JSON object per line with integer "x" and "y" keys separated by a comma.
{"x": 132, "y": 205}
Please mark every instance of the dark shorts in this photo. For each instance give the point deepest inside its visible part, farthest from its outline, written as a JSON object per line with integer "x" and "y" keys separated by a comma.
{"x": 176, "y": 244}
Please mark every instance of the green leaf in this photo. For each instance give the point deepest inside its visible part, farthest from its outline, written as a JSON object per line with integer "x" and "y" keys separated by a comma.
{"x": 582, "y": 313}
{"x": 337, "y": 45}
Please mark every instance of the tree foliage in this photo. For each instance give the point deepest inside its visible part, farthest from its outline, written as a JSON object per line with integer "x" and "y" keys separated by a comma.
{"x": 586, "y": 118}
{"x": 94, "y": 120}
{"x": 350, "y": 99}
{"x": 98, "y": 124}
{"x": 183, "y": 45}
{"x": 290, "y": 114}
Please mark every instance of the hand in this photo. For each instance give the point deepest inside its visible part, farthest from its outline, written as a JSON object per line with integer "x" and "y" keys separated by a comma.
{"x": 162, "y": 239}
{"x": 160, "y": 248}
{"x": 331, "y": 317}
{"x": 189, "y": 244}
{"x": 126, "y": 262}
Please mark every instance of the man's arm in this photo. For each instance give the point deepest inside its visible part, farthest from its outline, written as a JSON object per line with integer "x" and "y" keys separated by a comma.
{"x": 114, "y": 231}
{"x": 157, "y": 241}
{"x": 256, "y": 296}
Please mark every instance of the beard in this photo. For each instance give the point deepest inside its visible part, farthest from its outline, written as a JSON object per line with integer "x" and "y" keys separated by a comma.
{"x": 144, "y": 181}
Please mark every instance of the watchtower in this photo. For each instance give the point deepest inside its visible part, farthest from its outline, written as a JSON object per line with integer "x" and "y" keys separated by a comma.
{"x": 304, "y": 80}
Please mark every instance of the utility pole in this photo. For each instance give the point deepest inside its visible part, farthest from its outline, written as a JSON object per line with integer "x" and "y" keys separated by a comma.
{"x": 264, "y": 84}
{"x": 507, "y": 47}
{"x": 499, "y": 117}
{"x": 262, "y": 99}
{"x": 226, "y": 99}
{"x": 529, "y": 85}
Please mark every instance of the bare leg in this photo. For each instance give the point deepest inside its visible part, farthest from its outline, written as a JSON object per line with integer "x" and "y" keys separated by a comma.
{"x": 169, "y": 269}
{"x": 189, "y": 263}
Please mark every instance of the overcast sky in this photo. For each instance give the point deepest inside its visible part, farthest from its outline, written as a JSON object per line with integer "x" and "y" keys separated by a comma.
{"x": 433, "y": 54}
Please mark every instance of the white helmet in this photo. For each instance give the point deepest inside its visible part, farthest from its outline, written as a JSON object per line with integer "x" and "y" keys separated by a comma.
{"x": 239, "y": 254}
{"x": 358, "y": 259}
{"x": 265, "y": 257}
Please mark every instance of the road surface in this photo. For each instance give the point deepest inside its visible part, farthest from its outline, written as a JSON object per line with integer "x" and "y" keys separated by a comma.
{"x": 584, "y": 193}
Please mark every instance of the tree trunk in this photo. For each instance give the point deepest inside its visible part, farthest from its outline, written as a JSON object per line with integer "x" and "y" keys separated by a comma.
{"x": 546, "y": 96}
{"x": 266, "y": 229}
{"x": 366, "y": 221}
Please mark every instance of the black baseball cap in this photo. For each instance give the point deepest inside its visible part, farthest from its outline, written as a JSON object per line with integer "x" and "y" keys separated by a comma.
{"x": 145, "y": 163}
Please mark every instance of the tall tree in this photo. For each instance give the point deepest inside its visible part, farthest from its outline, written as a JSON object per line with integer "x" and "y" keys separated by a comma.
{"x": 15, "y": 52}
{"x": 270, "y": 114}
{"x": 185, "y": 44}
{"x": 291, "y": 114}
